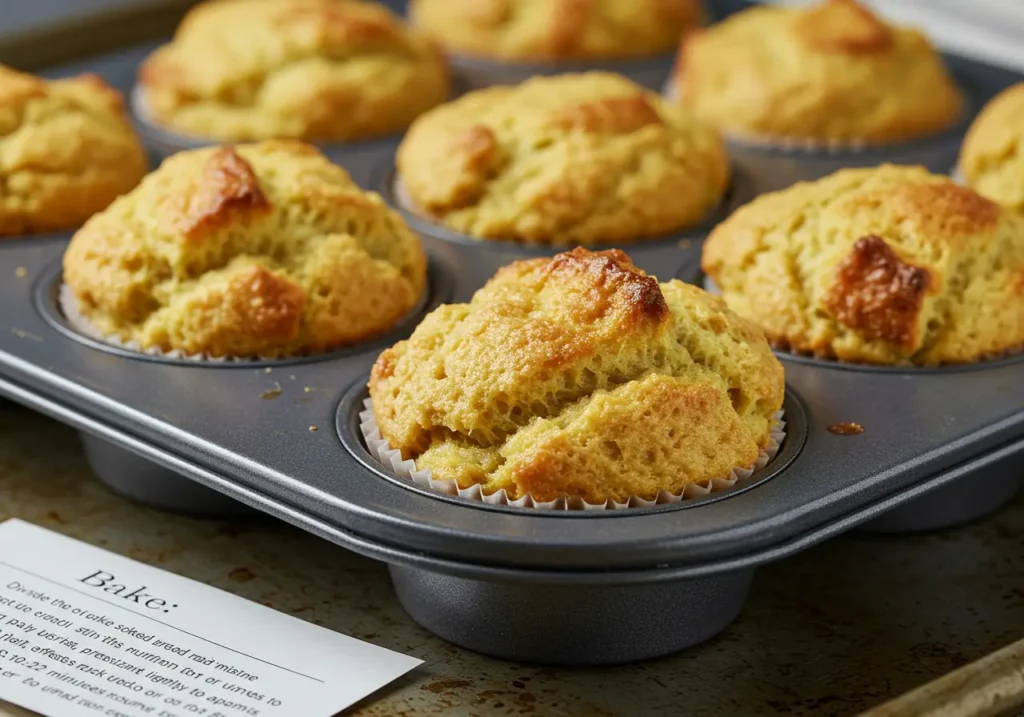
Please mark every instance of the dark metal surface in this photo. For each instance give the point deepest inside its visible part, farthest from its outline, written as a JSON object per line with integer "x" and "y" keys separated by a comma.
{"x": 566, "y": 625}
{"x": 476, "y": 73}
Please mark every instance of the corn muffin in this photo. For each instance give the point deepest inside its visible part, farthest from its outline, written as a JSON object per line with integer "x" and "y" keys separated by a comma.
{"x": 579, "y": 375}
{"x": 886, "y": 265}
{"x": 67, "y": 150}
{"x": 318, "y": 70}
{"x": 992, "y": 155}
{"x": 587, "y": 158}
{"x": 260, "y": 250}
{"x": 556, "y": 30}
{"x": 829, "y": 73}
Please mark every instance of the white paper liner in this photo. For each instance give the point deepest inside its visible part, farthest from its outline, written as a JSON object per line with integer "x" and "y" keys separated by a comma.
{"x": 391, "y": 459}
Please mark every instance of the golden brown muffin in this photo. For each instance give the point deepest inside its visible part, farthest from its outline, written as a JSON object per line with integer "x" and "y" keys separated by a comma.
{"x": 263, "y": 250}
{"x": 886, "y": 265}
{"x": 67, "y": 150}
{"x": 578, "y": 158}
{"x": 556, "y": 30}
{"x": 832, "y": 72}
{"x": 579, "y": 376}
{"x": 992, "y": 155}
{"x": 320, "y": 70}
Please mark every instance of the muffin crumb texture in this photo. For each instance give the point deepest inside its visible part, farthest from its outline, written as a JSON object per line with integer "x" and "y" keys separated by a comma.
{"x": 575, "y": 159}
{"x": 831, "y": 73}
{"x": 992, "y": 155}
{"x": 261, "y": 250}
{"x": 579, "y": 376}
{"x": 319, "y": 70}
{"x": 888, "y": 265}
{"x": 556, "y": 30}
{"x": 67, "y": 150}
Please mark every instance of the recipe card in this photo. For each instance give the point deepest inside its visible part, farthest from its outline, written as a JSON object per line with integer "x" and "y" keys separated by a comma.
{"x": 86, "y": 632}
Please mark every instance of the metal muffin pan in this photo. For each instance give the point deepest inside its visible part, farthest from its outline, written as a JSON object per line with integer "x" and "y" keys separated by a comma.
{"x": 532, "y": 585}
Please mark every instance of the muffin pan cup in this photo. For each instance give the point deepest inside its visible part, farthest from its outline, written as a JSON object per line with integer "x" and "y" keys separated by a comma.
{"x": 474, "y": 73}
{"x": 282, "y": 438}
{"x": 359, "y": 158}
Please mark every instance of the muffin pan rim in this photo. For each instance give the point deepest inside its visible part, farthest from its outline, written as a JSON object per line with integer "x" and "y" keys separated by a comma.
{"x": 347, "y": 430}
{"x": 739, "y": 191}
{"x": 439, "y": 288}
{"x": 691, "y": 273}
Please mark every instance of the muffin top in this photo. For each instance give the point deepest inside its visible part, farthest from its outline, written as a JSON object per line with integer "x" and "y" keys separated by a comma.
{"x": 992, "y": 155}
{"x": 832, "y": 72}
{"x": 556, "y": 30}
{"x": 888, "y": 265}
{"x": 66, "y": 151}
{"x": 578, "y": 158}
{"x": 579, "y": 375}
{"x": 262, "y": 250}
{"x": 323, "y": 70}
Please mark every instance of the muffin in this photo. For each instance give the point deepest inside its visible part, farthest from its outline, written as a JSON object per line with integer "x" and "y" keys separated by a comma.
{"x": 888, "y": 265}
{"x": 554, "y": 31}
{"x": 992, "y": 155}
{"x": 579, "y": 376}
{"x": 318, "y": 70}
{"x": 260, "y": 250}
{"x": 831, "y": 73}
{"x": 586, "y": 158}
{"x": 67, "y": 150}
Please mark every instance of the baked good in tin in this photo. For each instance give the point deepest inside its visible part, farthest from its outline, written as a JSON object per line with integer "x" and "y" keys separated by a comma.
{"x": 579, "y": 376}
{"x": 318, "y": 70}
{"x": 589, "y": 158}
{"x": 266, "y": 249}
{"x": 992, "y": 154}
{"x": 67, "y": 150}
{"x": 830, "y": 73}
{"x": 886, "y": 265}
{"x": 556, "y": 30}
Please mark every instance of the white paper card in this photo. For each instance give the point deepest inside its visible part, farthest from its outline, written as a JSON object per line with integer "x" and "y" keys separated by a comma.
{"x": 86, "y": 632}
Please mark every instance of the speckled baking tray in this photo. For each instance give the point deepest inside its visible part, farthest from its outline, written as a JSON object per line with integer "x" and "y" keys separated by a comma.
{"x": 939, "y": 447}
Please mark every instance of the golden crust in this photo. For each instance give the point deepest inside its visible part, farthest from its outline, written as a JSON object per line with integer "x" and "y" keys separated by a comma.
{"x": 556, "y": 30}
{"x": 829, "y": 73}
{"x": 992, "y": 154}
{"x": 888, "y": 265}
{"x": 262, "y": 250}
{"x": 319, "y": 70}
{"x": 579, "y": 158}
{"x": 67, "y": 150}
{"x": 579, "y": 376}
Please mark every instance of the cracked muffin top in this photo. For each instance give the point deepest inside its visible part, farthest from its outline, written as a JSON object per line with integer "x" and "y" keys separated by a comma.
{"x": 319, "y": 70}
{"x": 579, "y": 375}
{"x": 587, "y": 158}
{"x": 887, "y": 265}
{"x": 259, "y": 250}
{"x": 556, "y": 30}
{"x": 67, "y": 150}
{"x": 831, "y": 72}
{"x": 992, "y": 155}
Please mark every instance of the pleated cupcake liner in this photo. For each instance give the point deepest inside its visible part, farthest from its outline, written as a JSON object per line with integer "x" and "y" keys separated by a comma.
{"x": 391, "y": 460}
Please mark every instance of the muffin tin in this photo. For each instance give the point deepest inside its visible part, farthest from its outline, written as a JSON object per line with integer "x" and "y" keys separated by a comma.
{"x": 939, "y": 447}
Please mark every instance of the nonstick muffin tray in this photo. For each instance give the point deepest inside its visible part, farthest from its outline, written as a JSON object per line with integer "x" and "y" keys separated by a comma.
{"x": 939, "y": 447}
